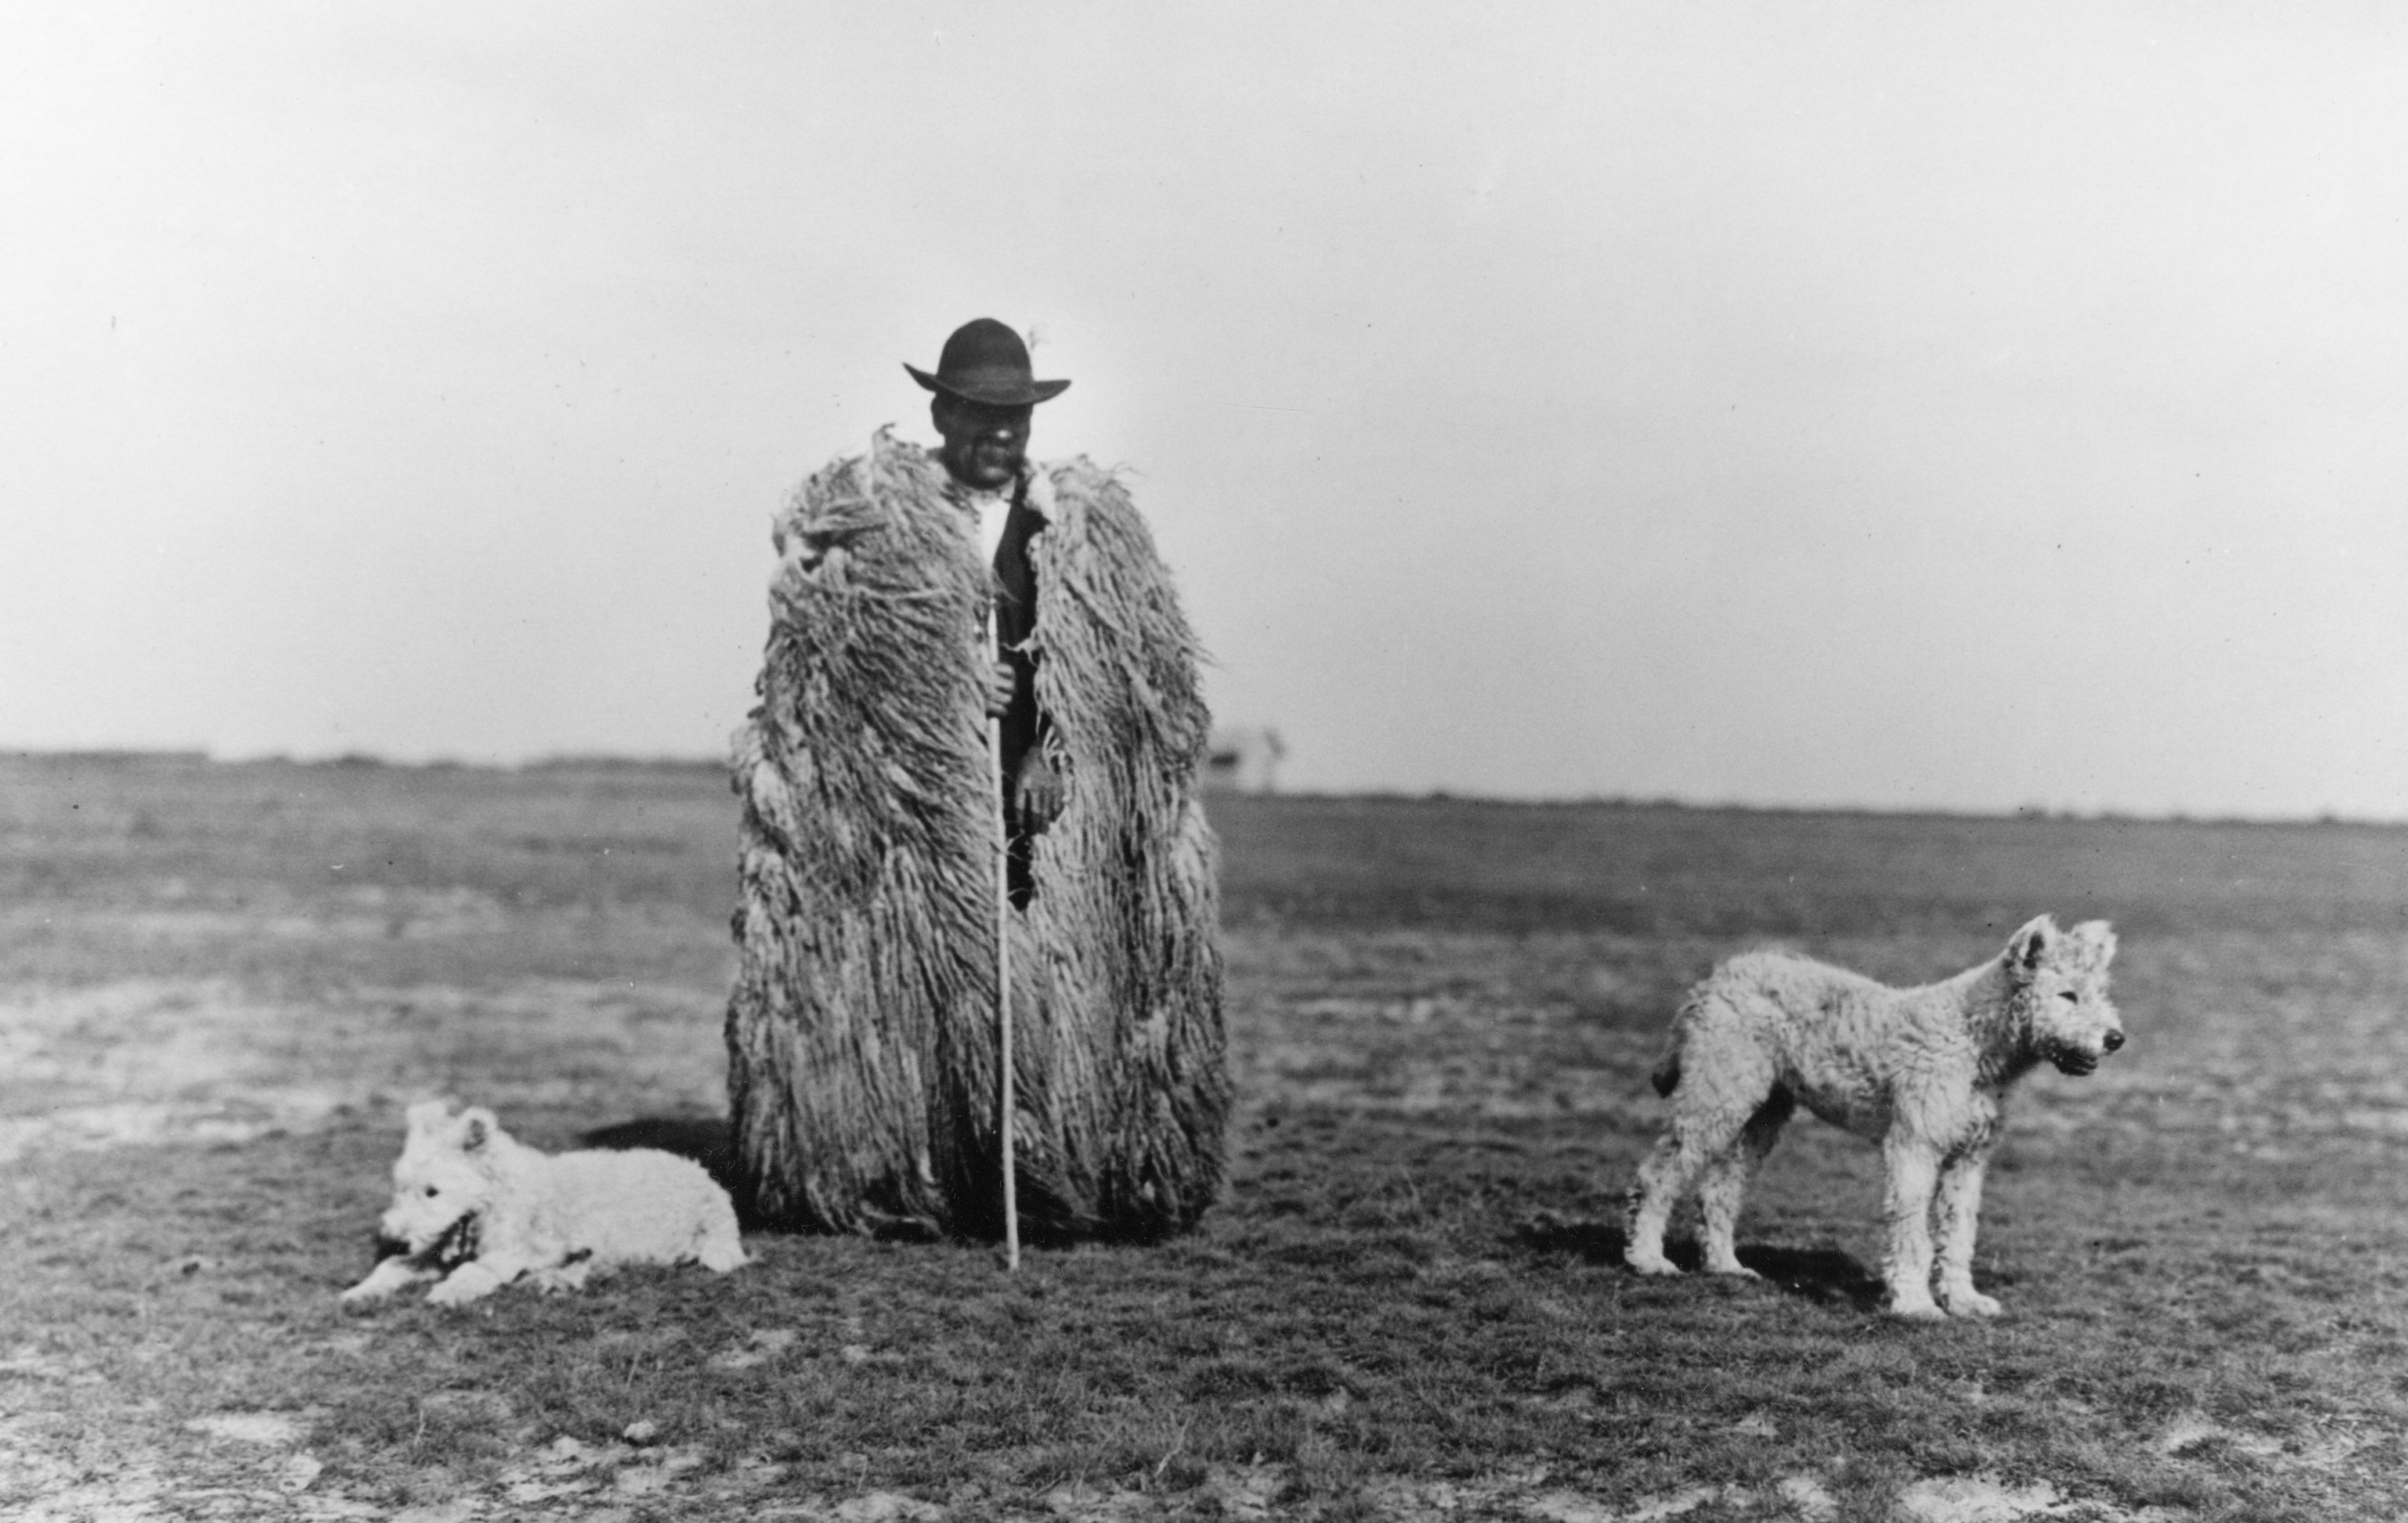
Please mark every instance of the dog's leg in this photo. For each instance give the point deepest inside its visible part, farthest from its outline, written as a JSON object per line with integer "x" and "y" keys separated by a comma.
{"x": 1725, "y": 1183}
{"x": 391, "y": 1274}
{"x": 1672, "y": 1165}
{"x": 475, "y": 1279}
{"x": 1912, "y": 1169}
{"x": 559, "y": 1277}
{"x": 720, "y": 1250}
{"x": 1662, "y": 1179}
{"x": 1724, "y": 1080}
{"x": 1959, "y": 1209}
{"x": 471, "y": 1281}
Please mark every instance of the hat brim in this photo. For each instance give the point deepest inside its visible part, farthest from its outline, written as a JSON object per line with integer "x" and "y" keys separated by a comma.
{"x": 995, "y": 391}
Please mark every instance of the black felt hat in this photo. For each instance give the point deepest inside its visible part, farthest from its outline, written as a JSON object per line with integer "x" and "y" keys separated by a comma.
{"x": 985, "y": 362}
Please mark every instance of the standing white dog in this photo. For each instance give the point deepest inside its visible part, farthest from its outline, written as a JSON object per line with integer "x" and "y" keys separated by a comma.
{"x": 1922, "y": 1072}
{"x": 477, "y": 1209}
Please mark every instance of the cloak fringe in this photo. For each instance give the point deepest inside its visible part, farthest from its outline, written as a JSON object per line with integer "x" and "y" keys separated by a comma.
{"x": 861, "y": 1034}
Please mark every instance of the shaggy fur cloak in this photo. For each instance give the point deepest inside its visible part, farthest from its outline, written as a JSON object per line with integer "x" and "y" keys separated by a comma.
{"x": 861, "y": 1035}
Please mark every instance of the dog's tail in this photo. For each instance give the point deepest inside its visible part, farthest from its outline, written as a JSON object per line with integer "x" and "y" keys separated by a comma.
{"x": 1666, "y": 1075}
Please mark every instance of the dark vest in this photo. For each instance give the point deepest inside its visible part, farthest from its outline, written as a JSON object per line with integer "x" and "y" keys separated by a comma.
{"x": 1015, "y": 620}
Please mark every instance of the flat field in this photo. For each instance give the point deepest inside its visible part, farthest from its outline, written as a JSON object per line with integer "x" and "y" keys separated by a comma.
{"x": 220, "y": 983}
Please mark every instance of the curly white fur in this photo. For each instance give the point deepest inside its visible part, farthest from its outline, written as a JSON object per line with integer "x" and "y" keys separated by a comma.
{"x": 477, "y": 1209}
{"x": 1922, "y": 1072}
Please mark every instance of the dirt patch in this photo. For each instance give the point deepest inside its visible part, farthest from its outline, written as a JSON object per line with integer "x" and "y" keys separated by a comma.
{"x": 157, "y": 1062}
{"x": 273, "y": 1427}
{"x": 761, "y": 1348}
{"x": 46, "y": 1480}
{"x": 148, "y": 1062}
{"x": 1985, "y": 1499}
{"x": 58, "y": 1489}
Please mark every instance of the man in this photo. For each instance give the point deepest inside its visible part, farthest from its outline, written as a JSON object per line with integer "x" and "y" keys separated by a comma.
{"x": 986, "y": 393}
{"x": 864, "y": 1051}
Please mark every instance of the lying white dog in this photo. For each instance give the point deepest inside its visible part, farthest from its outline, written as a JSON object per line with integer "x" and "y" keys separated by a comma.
{"x": 1922, "y": 1072}
{"x": 476, "y": 1209}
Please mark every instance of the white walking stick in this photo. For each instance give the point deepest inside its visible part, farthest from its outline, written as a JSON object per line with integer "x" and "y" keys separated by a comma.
{"x": 1003, "y": 973}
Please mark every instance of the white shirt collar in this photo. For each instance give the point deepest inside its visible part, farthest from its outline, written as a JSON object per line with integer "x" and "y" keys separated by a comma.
{"x": 994, "y": 509}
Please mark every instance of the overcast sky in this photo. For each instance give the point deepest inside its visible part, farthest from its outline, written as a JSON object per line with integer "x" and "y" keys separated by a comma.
{"x": 1826, "y": 404}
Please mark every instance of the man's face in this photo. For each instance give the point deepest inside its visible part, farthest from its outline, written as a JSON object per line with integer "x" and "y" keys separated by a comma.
{"x": 983, "y": 445}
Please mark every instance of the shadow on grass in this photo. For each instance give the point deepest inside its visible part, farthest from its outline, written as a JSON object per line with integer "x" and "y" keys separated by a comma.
{"x": 710, "y": 1142}
{"x": 1823, "y": 1275}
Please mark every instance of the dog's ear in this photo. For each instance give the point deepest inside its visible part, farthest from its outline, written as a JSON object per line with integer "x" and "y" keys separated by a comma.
{"x": 477, "y": 1129}
{"x": 2029, "y": 949}
{"x": 2097, "y": 939}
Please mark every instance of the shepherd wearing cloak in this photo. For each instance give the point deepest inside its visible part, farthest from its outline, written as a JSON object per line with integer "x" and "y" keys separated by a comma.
{"x": 918, "y": 593}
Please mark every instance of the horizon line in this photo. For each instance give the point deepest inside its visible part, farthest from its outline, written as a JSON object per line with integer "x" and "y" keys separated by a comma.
{"x": 571, "y": 761}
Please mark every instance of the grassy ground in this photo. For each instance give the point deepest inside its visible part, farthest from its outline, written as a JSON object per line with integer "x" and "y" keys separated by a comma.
{"x": 219, "y": 986}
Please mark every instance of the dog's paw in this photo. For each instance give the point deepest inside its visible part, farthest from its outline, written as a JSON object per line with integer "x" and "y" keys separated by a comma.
{"x": 559, "y": 1278}
{"x": 389, "y": 1276}
{"x": 1657, "y": 1264}
{"x": 1734, "y": 1269}
{"x": 463, "y": 1286}
{"x": 1972, "y": 1303}
{"x": 1925, "y": 1309}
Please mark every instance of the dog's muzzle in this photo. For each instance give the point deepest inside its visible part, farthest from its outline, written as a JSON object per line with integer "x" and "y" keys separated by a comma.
{"x": 453, "y": 1247}
{"x": 2079, "y": 1061}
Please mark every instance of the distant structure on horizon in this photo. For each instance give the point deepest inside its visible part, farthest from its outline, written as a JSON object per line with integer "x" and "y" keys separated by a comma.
{"x": 1243, "y": 760}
